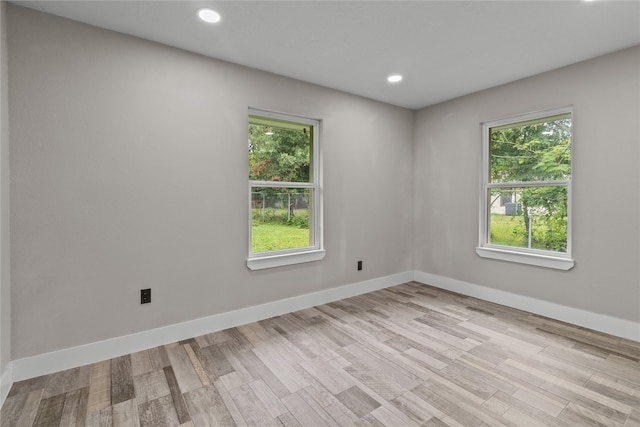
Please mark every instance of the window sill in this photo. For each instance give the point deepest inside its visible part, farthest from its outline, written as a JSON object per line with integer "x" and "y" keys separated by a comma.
{"x": 539, "y": 260}
{"x": 285, "y": 259}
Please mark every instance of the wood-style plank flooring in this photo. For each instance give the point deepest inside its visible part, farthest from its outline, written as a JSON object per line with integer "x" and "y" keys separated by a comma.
{"x": 405, "y": 356}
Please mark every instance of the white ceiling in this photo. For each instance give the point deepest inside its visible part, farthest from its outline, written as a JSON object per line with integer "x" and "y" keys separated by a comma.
{"x": 444, "y": 49}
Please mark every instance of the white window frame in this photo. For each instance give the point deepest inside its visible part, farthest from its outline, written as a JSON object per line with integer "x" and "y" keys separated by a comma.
{"x": 541, "y": 258}
{"x": 263, "y": 260}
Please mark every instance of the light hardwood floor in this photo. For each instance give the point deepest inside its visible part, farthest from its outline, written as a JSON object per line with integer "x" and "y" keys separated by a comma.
{"x": 408, "y": 355}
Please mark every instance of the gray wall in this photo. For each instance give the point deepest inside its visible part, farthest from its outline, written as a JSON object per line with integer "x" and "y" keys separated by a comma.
{"x": 129, "y": 170}
{"x": 605, "y": 93}
{"x": 5, "y": 277}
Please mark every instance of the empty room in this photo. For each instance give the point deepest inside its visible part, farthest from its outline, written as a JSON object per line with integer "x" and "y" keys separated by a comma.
{"x": 310, "y": 213}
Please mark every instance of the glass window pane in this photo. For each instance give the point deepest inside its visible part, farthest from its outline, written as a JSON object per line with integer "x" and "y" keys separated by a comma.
{"x": 531, "y": 151}
{"x": 536, "y": 217}
{"x": 281, "y": 219}
{"x": 280, "y": 151}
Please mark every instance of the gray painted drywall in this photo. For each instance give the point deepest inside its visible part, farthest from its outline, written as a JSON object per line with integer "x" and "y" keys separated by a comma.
{"x": 605, "y": 93}
{"x": 5, "y": 276}
{"x": 129, "y": 171}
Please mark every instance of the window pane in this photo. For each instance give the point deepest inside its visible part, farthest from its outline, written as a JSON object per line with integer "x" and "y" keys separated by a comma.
{"x": 531, "y": 151}
{"x": 281, "y": 219}
{"x": 536, "y": 217}
{"x": 279, "y": 151}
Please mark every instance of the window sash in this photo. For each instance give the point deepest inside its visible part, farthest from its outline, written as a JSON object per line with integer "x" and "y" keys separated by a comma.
{"x": 535, "y": 213}
{"x": 281, "y": 184}
{"x": 510, "y": 184}
{"x": 314, "y": 226}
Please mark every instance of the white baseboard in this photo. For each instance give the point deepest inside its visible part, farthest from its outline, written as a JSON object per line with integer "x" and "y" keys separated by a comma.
{"x": 6, "y": 381}
{"x": 47, "y": 363}
{"x": 599, "y": 322}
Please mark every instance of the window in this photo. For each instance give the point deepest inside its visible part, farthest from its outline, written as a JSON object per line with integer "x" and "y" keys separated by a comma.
{"x": 526, "y": 189}
{"x": 285, "y": 205}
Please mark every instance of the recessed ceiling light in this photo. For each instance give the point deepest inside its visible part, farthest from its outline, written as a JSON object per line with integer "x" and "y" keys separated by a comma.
{"x": 209, "y": 15}
{"x": 394, "y": 78}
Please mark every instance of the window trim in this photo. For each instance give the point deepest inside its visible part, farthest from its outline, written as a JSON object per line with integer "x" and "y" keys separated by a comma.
{"x": 316, "y": 252}
{"x": 540, "y": 258}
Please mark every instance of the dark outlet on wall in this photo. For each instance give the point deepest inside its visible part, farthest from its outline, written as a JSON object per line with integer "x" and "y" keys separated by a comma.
{"x": 359, "y": 265}
{"x": 145, "y": 296}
